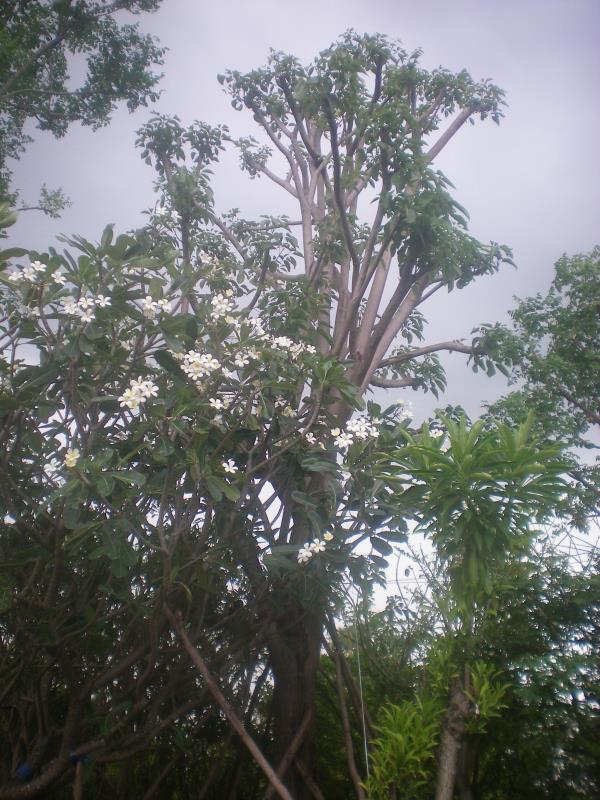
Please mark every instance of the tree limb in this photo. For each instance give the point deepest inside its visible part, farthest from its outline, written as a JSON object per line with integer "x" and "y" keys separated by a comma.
{"x": 226, "y": 707}
{"x": 449, "y": 133}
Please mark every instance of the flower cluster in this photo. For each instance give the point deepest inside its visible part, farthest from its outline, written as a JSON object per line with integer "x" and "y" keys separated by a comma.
{"x": 84, "y": 307}
{"x": 222, "y": 305}
{"x": 294, "y": 348}
{"x": 311, "y": 549}
{"x": 34, "y": 272}
{"x": 138, "y": 392}
{"x": 199, "y": 365}
{"x": 152, "y": 307}
{"x": 358, "y": 429}
{"x": 243, "y": 357}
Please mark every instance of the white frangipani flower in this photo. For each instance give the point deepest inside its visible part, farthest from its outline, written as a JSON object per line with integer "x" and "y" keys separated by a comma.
{"x": 71, "y": 457}
{"x": 199, "y": 365}
{"x": 84, "y": 307}
{"x": 29, "y": 274}
{"x": 344, "y": 440}
{"x": 147, "y": 389}
{"x": 137, "y": 393}
{"x": 222, "y": 306}
{"x": 216, "y": 403}
{"x": 282, "y": 341}
{"x": 304, "y": 555}
{"x": 317, "y": 545}
{"x": 148, "y": 308}
{"x": 230, "y": 466}
{"x": 328, "y": 536}
{"x": 362, "y": 427}
{"x": 69, "y": 306}
{"x": 102, "y": 301}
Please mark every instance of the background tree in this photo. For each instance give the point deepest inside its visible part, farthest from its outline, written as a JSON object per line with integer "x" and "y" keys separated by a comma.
{"x": 37, "y": 42}
{"x": 477, "y": 496}
{"x": 554, "y": 346}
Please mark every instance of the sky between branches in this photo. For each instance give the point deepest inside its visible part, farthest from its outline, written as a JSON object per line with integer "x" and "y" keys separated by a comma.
{"x": 533, "y": 183}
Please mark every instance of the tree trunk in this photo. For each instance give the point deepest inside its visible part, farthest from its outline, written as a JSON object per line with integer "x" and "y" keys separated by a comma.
{"x": 466, "y": 760}
{"x": 452, "y": 736}
{"x": 294, "y": 655}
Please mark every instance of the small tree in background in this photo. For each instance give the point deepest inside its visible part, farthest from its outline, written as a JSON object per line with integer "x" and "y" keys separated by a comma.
{"x": 37, "y": 42}
{"x": 477, "y": 495}
{"x": 554, "y": 346}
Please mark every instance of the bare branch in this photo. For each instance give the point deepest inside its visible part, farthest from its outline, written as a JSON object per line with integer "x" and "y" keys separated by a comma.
{"x": 360, "y": 792}
{"x": 449, "y": 133}
{"x": 227, "y": 708}
{"x": 339, "y": 196}
{"x": 276, "y": 179}
{"x": 454, "y": 346}
{"x": 398, "y": 383}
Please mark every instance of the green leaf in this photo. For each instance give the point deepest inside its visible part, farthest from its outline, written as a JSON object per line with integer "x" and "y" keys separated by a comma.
{"x": 130, "y": 477}
{"x": 214, "y": 488}
{"x": 381, "y": 546}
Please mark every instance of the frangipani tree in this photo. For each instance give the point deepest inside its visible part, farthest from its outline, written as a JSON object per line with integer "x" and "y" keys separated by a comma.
{"x": 186, "y": 443}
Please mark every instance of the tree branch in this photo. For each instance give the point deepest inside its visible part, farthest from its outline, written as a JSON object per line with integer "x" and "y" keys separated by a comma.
{"x": 61, "y": 33}
{"x": 226, "y": 707}
{"x": 398, "y": 383}
{"x": 360, "y": 792}
{"x": 454, "y": 346}
{"x": 449, "y": 133}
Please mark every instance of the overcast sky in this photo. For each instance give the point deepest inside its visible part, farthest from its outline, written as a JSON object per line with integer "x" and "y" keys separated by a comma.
{"x": 532, "y": 183}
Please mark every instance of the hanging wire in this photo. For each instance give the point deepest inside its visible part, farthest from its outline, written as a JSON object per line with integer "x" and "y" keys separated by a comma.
{"x": 360, "y": 690}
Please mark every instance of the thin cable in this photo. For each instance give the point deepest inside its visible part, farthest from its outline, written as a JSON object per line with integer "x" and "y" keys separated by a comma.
{"x": 360, "y": 690}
